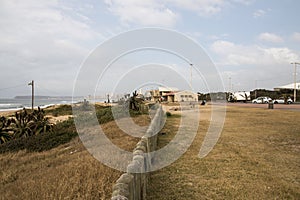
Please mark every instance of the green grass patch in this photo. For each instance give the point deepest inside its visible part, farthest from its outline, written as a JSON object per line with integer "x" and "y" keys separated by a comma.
{"x": 59, "y": 110}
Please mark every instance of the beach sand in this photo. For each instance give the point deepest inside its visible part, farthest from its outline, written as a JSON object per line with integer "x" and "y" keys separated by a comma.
{"x": 8, "y": 113}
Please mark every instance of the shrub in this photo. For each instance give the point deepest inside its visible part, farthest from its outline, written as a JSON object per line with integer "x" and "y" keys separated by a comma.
{"x": 105, "y": 114}
{"x": 26, "y": 123}
{"x": 62, "y": 133}
{"x": 5, "y": 130}
{"x": 59, "y": 110}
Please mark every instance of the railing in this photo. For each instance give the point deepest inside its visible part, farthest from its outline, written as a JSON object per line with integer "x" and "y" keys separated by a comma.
{"x": 132, "y": 185}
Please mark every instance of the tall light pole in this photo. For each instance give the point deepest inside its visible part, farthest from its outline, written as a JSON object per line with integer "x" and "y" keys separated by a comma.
{"x": 295, "y": 79}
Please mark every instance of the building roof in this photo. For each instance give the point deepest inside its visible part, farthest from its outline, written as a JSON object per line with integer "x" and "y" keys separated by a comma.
{"x": 289, "y": 86}
{"x": 167, "y": 89}
{"x": 186, "y": 91}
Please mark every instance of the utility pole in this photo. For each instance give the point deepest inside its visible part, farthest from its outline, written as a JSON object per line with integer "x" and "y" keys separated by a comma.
{"x": 295, "y": 80}
{"x": 32, "y": 93}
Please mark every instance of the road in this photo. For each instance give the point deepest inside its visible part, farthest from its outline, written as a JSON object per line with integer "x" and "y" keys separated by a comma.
{"x": 293, "y": 107}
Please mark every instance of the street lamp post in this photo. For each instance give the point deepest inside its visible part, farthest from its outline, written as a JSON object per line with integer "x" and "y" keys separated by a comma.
{"x": 295, "y": 79}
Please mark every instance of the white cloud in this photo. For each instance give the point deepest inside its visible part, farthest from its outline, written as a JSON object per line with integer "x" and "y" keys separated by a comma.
{"x": 164, "y": 12}
{"x": 205, "y": 7}
{"x": 146, "y": 12}
{"x": 38, "y": 39}
{"x": 279, "y": 55}
{"x": 296, "y": 37}
{"x": 49, "y": 18}
{"x": 238, "y": 55}
{"x": 39, "y": 33}
{"x": 245, "y": 2}
{"x": 270, "y": 37}
{"x": 247, "y": 63}
{"x": 202, "y": 7}
{"x": 259, "y": 13}
{"x": 232, "y": 54}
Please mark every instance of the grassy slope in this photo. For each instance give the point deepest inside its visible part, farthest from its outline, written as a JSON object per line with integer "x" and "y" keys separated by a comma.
{"x": 257, "y": 157}
{"x": 65, "y": 172}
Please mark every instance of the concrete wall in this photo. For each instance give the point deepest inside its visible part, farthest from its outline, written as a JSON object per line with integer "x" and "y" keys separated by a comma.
{"x": 133, "y": 184}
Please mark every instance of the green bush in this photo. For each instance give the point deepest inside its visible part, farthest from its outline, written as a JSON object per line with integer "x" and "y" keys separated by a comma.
{"x": 105, "y": 114}
{"x": 62, "y": 133}
{"x": 60, "y": 110}
{"x": 5, "y": 130}
{"x": 27, "y": 123}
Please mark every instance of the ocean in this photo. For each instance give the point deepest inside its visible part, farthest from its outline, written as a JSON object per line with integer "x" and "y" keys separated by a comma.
{"x": 8, "y": 104}
{"x": 11, "y": 104}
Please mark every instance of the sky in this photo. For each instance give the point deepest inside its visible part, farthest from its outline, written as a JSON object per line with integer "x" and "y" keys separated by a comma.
{"x": 251, "y": 42}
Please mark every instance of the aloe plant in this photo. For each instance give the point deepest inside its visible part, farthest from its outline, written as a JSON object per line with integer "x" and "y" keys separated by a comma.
{"x": 22, "y": 124}
{"x": 5, "y": 130}
{"x": 27, "y": 124}
{"x": 41, "y": 123}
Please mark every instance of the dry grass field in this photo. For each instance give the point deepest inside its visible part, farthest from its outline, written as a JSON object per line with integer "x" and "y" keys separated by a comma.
{"x": 256, "y": 157}
{"x": 65, "y": 172}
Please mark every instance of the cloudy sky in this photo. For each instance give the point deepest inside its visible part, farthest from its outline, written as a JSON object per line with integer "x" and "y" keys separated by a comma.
{"x": 252, "y": 42}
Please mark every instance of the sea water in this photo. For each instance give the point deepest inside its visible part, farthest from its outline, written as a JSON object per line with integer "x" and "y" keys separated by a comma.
{"x": 12, "y": 104}
{"x": 16, "y": 103}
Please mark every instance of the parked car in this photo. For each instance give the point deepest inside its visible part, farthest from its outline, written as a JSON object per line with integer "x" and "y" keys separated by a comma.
{"x": 282, "y": 100}
{"x": 262, "y": 100}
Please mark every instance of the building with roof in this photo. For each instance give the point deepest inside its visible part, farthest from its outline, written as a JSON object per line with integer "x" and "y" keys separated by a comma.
{"x": 288, "y": 87}
{"x": 169, "y": 94}
{"x": 185, "y": 95}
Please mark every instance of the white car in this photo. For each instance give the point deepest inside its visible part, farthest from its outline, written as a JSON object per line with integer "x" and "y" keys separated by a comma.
{"x": 262, "y": 100}
{"x": 281, "y": 100}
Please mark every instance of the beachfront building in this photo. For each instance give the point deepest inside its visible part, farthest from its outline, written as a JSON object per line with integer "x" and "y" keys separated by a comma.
{"x": 288, "y": 87}
{"x": 289, "y": 90}
{"x": 182, "y": 96}
{"x": 155, "y": 96}
{"x": 168, "y": 94}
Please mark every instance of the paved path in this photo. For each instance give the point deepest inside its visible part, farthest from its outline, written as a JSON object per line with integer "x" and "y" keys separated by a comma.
{"x": 294, "y": 107}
